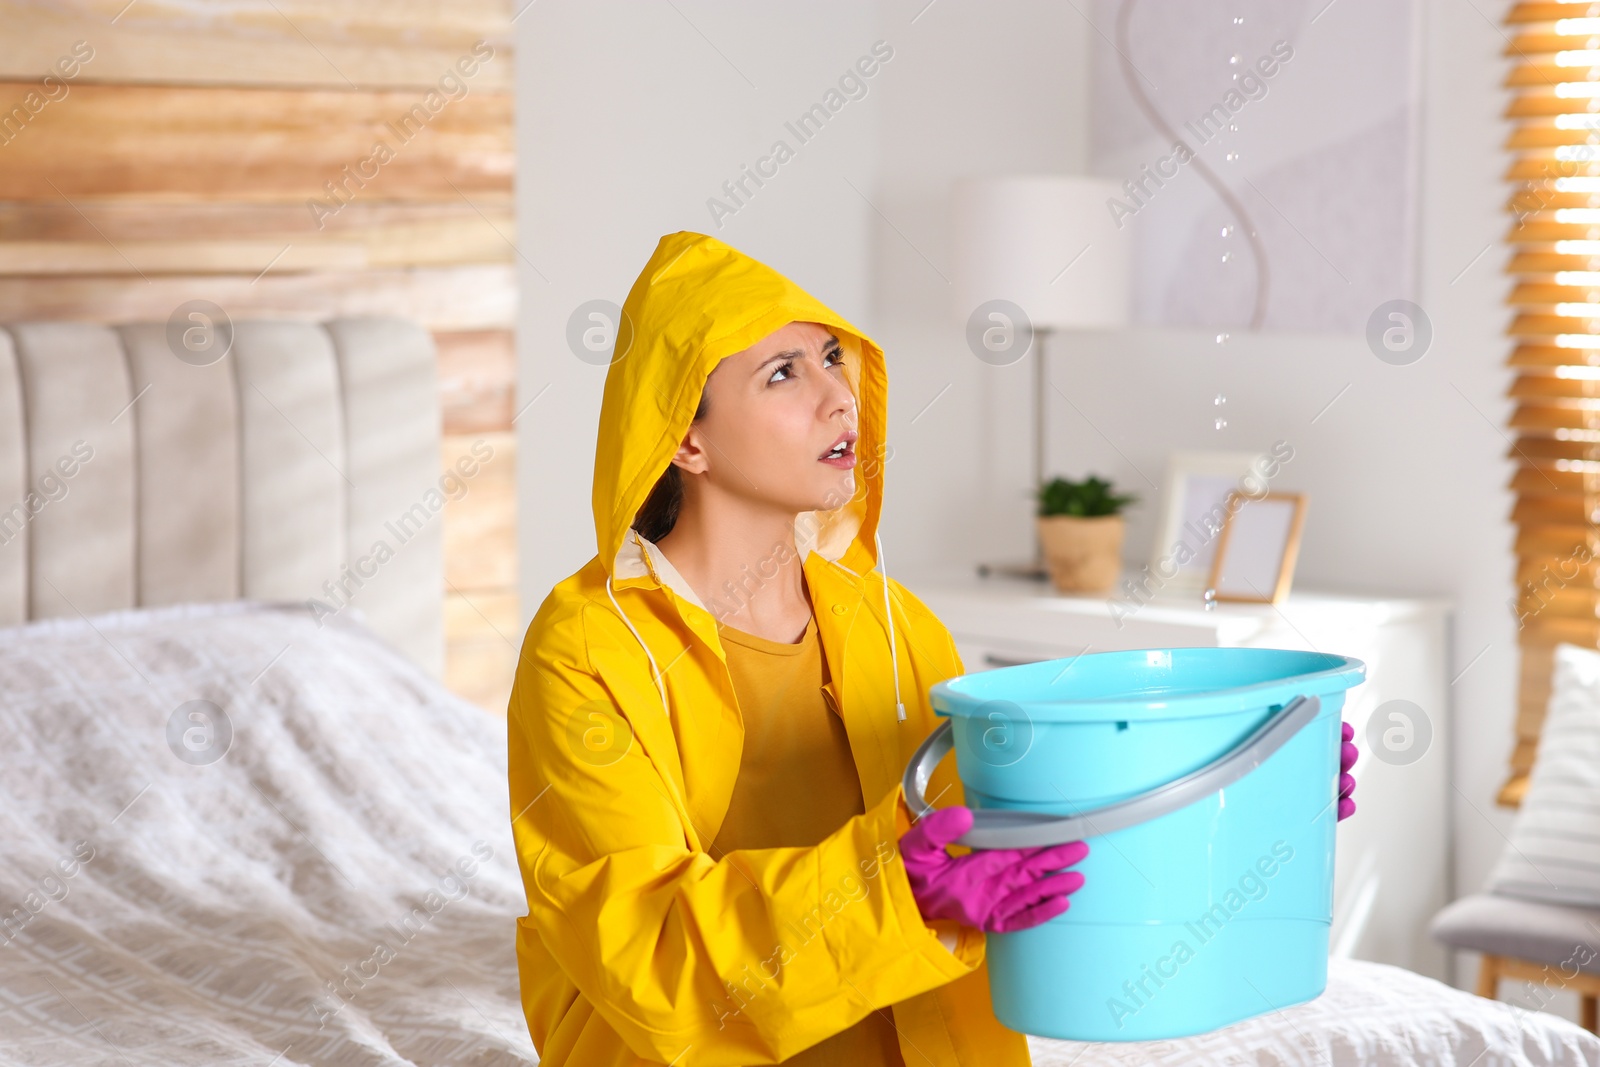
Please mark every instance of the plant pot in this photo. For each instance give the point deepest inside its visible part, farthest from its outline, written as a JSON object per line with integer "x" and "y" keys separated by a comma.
{"x": 1083, "y": 552}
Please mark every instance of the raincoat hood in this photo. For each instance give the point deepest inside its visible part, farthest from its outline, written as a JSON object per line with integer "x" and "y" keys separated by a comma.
{"x": 696, "y": 302}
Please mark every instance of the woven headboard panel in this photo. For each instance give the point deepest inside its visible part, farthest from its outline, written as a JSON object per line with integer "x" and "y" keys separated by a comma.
{"x": 301, "y": 464}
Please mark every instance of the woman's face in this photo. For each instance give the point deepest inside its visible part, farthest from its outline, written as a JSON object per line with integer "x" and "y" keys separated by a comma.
{"x": 775, "y": 413}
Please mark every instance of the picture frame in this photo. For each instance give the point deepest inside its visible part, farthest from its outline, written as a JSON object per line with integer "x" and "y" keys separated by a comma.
{"x": 1193, "y": 511}
{"x": 1256, "y": 553}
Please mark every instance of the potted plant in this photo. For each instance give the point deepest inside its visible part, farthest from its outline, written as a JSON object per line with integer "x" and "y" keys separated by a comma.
{"x": 1081, "y": 529}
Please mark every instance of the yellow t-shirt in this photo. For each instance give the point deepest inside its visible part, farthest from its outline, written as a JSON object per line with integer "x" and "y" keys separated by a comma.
{"x": 797, "y": 784}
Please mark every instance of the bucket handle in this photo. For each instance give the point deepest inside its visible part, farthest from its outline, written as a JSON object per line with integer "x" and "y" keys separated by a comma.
{"x": 1004, "y": 828}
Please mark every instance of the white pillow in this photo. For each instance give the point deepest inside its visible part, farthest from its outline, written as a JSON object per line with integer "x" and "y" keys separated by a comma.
{"x": 1553, "y": 854}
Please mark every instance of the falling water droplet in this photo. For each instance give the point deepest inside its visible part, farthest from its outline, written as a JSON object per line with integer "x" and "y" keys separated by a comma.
{"x": 1222, "y": 338}
{"x": 1227, "y": 230}
{"x": 1231, "y": 156}
{"x": 1221, "y": 423}
{"x": 1233, "y": 127}
{"x": 1235, "y": 59}
{"x": 1209, "y": 598}
{"x": 1226, "y": 256}
{"x": 1220, "y": 400}
{"x": 1238, "y": 20}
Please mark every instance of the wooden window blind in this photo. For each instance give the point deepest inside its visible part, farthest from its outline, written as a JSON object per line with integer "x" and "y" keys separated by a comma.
{"x": 1554, "y": 144}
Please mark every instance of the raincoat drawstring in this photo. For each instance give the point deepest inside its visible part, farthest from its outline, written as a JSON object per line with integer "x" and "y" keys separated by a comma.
{"x": 888, "y": 611}
{"x": 894, "y": 657}
{"x": 654, "y": 671}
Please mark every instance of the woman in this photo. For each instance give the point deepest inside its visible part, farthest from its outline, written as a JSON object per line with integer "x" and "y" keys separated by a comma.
{"x": 710, "y": 720}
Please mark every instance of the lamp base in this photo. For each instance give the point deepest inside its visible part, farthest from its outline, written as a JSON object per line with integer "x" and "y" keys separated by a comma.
{"x": 1034, "y": 570}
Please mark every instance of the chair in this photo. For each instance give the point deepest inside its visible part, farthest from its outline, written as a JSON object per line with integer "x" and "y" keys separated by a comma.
{"x": 1554, "y": 945}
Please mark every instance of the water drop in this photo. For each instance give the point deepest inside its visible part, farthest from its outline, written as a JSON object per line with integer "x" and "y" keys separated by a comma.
{"x": 1238, "y": 20}
{"x": 1221, "y": 423}
{"x": 1227, "y": 231}
{"x": 1209, "y": 598}
{"x": 1220, "y": 400}
{"x": 1235, "y": 59}
{"x": 1233, "y": 127}
{"x": 1226, "y": 256}
{"x": 1222, "y": 338}
{"x": 1231, "y": 156}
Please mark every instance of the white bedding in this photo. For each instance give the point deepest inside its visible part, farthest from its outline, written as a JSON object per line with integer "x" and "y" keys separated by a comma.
{"x": 222, "y": 897}
{"x": 1370, "y": 1013}
{"x": 219, "y": 897}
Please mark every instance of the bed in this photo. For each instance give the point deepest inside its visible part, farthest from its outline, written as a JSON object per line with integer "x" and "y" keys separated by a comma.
{"x": 244, "y": 830}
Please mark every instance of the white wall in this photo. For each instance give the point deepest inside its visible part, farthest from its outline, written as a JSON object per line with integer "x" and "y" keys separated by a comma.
{"x": 985, "y": 88}
{"x": 631, "y": 115}
{"x": 1461, "y": 529}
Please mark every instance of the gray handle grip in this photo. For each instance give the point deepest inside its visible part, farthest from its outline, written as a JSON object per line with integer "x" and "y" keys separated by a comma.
{"x": 999, "y": 828}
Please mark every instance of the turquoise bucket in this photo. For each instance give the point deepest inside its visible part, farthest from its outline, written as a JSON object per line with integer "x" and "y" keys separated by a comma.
{"x": 1205, "y": 781}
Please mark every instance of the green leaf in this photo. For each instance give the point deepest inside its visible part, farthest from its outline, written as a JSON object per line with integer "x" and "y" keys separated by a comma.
{"x": 1090, "y": 497}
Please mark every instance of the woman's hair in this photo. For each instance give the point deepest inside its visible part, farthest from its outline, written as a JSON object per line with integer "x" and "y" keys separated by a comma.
{"x": 659, "y": 512}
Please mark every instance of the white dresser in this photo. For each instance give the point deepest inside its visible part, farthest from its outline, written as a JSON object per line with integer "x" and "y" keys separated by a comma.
{"x": 1393, "y": 867}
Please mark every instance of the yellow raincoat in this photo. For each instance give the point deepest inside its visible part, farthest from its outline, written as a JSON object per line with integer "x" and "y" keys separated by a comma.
{"x": 640, "y": 946}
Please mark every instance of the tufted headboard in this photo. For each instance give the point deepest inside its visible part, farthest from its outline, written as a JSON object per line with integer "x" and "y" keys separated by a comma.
{"x": 293, "y": 461}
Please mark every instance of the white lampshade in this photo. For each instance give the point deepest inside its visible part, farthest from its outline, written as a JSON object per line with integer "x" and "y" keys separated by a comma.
{"x": 1015, "y": 234}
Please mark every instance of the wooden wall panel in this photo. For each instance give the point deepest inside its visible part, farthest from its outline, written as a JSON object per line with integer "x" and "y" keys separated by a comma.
{"x": 486, "y": 634}
{"x": 464, "y": 298}
{"x": 174, "y": 257}
{"x": 236, "y": 144}
{"x": 96, "y": 236}
{"x": 477, "y": 380}
{"x": 448, "y": 244}
{"x": 335, "y": 43}
{"x": 484, "y": 516}
{"x": 300, "y": 158}
{"x": 118, "y": 221}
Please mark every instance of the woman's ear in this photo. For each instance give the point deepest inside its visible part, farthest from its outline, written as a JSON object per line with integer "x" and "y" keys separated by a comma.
{"x": 691, "y": 456}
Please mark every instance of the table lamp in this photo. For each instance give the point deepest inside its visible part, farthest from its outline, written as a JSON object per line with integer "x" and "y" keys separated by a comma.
{"x": 1036, "y": 253}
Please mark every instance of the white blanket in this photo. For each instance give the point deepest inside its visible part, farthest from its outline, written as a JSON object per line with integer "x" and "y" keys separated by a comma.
{"x": 232, "y": 911}
{"x": 1370, "y": 1014}
{"x": 335, "y": 884}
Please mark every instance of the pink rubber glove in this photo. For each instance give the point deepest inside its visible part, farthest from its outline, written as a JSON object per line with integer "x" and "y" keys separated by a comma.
{"x": 998, "y": 890}
{"x": 1347, "y": 781}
